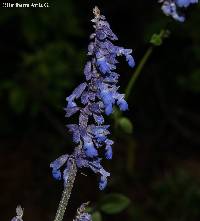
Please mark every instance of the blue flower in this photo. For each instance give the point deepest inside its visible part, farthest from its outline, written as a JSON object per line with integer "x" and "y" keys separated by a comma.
{"x": 103, "y": 179}
{"x": 87, "y": 70}
{"x": 103, "y": 65}
{"x": 130, "y": 60}
{"x": 100, "y": 132}
{"x": 108, "y": 152}
{"x": 123, "y": 105}
{"x": 102, "y": 183}
{"x": 82, "y": 215}
{"x": 185, "y": 3}
{"x": 56, "y": 174}
{"x": 89, "y": 147}
{"x": 57, "y": 164}
{"x": 19, "y": 212}
{"x": 171, "y": 8}
{"x": 107, "y": 98}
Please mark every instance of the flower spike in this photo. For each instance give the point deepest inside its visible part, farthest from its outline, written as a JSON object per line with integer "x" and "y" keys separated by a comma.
{"x": 92, "y": 99}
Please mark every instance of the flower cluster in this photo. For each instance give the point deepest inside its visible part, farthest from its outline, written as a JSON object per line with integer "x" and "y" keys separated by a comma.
{"x": 91, "y": 99}
{"x": 170, "y": 8}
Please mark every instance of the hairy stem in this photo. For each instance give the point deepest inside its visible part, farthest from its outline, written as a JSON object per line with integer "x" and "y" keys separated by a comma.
{"x": 138, "y": 71}
{"x": 66, "y": 192}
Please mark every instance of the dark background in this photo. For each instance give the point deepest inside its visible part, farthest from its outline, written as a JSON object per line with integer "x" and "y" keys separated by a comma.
{"x": 43, "y": 52}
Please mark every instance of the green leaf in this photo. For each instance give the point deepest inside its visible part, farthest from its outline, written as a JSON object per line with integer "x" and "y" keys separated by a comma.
{"x": 126, "y": 125}
{"x": 114, "y": 203}
{"x": 156, "y": 40}
{"x": 96, "y": 216}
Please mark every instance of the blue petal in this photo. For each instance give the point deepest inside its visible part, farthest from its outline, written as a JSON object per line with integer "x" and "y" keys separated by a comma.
{"x": 123, "y": 105}
{"x": 108, "y": 152}
{"x": 90, "y": 150}
{"x": 185, "y": 3}
{"x": 108, "y": 100}
{"x": 103, "y": 182}
{"x": 130, "y": 61}
{"x": 178, "y": 17}
{"x": 112, "y": 78}
{"x": 79, "y": 90}
{"x": 84, "y": 217}
{"x": 104, "y": 67}
{"x": 101, "y": 138}
{"x": 71, "y": 111}
{"x": 71, "y": 104}
{"x": 108, "y": 109}
{"x": 56, "y": 164}
{"x": 170, "y": 9}
{"x": 166, "y": 8}
{"x": 103, "y": 179}
{"x": 56, "y": 174}
{"x": 87, "y": 70}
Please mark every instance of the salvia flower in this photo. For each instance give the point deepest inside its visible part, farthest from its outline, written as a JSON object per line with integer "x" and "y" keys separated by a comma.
{"x": 91, "y": 100}
{"x": 19, "y": 212}
{"x": 82, "y": 215}
{"x": 172, "y": 8}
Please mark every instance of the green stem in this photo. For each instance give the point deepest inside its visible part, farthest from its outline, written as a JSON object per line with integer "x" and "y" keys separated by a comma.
{"x": 138, "y": 71}
{"x": 66, "y": 192}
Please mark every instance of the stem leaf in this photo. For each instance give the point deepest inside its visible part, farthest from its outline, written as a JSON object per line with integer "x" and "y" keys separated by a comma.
{"x": 114, "y": 203}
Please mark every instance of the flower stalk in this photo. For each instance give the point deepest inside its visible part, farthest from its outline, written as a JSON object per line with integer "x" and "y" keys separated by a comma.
{"x": 66, "y": 192}
{"x": 138, "y": 71}
{"x": 156, "y": 40}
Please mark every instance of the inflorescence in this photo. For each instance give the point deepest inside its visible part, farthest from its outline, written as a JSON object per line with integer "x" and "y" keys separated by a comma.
{"x": 172, "y": 8}
{"x": 91, "y": 100}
